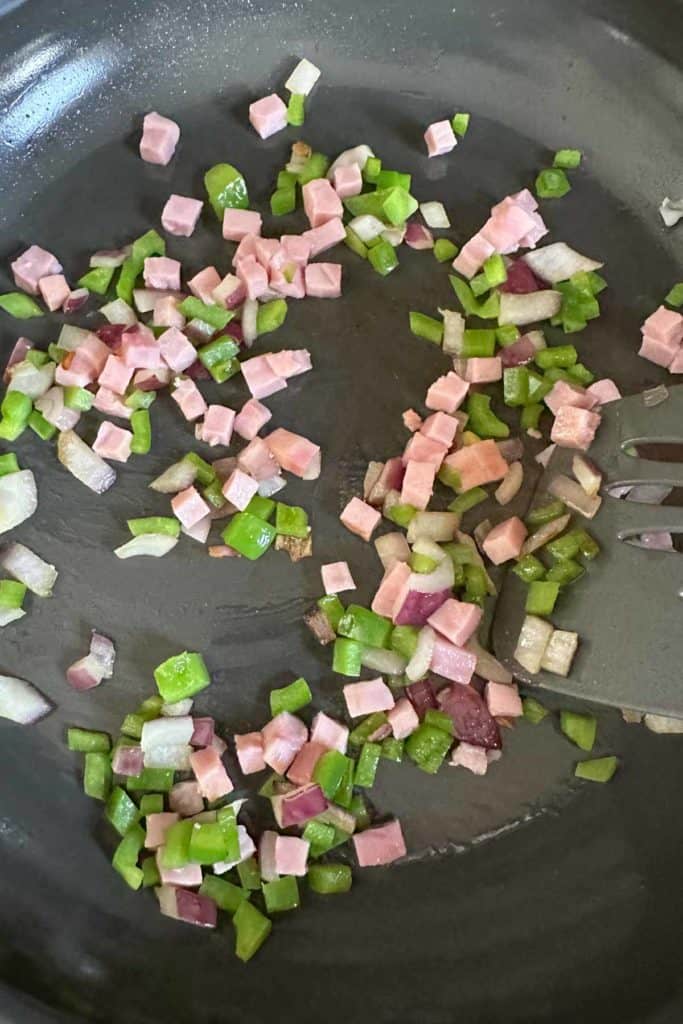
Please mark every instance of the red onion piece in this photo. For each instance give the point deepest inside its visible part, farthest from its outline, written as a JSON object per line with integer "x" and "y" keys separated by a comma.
{"x": 521, "y": 279}
{"x": 128, "y": 760}
{"x": 195, "y": 909}
{"x": 302, "y": 804}
{"x": 421, "y": 695}
{"x": 518, "y": 354}
{"x": 75, "y": 300}
{"x": 390, "y": 479}
{"x": 84, "y": 674}
{"x": 418, "y": 606}
{"x": 234, "y": 329}
{"x": 512, "y": 449}
{"x": 111, "y": 335}
{"x": 417, "y": 236}
{"x": 203, "y": 734}
{"x": 198, "y": 371}
{"x": 471, "y": 718}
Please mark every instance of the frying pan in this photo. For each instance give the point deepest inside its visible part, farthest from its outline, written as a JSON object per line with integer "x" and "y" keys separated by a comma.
{"x": 525, "y": 898}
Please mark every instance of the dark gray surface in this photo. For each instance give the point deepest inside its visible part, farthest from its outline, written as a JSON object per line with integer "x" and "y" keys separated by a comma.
{"x": 577, "y": 914}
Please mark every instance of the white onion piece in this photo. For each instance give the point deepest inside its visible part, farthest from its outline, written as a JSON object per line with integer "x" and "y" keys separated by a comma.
{"x": 441, "y": 578}
{"x": 30, "y": 569}
{"x": 560, "y": 651}
{"x": 178, "y": 707}
{"x": 646, "y": 494}
{"x": 663, "y": 724}
{"x": 488, "y": 667}
{"x": 109, "y": 257}
{"x": 574, "y": 496}
{"x": 119, "y": 312}
{"x": 510, "y": 484}
{"x": 389, "y": 663}
{"x": 247, "y": 850}
{"x": 249, "y": 321}
{"x": 557, "y": 262}
{"x": 453, "y": 332}
{"x": 176, "y": 756}
{"x": 21, "y": 702}
{"x": 434, "y": 215}
{"x": 18, "y": 498}
{"x": 418, "y": 666}
{"x": 632, "y": 717}
{"x": 270, "y": 486}
{"x": 544, "y": 457}
{"x": 394, "y": 235}
{"x": 168, "y": 903}
{"x": 545, "y": 533}
{"x": 430, "y": 549}
{"x": 533, "y": 640}
{"x": 537, "y": 339}
{"x": 481, "y": 532}
{"x": 588, "y": 475}
{"x": 366, "y": 227}
{"x": 392, "y": 548}
{"x": 303, "y": 77}
{"x": 31, "y": 380}
{"x": 85, "y": 464}
{"x": 655, "y": 396}
{"x": 176, "y": 478}
{"x": 153, "y": 544}
{"x": 372, "y": 475}
{"x": 358, "y": 155}
{"x": 145, "y": 299}
{"x": 529, "y": 309}
{"x": 436, "y": 526}
{"x": 657, "y": 540}
{"x": 103, "y": 651}
{"x": 71, "y": 337}
{"x": 164, "y": 732}
{"x": 10, "y": 615}
{"x": 671, "y": 211}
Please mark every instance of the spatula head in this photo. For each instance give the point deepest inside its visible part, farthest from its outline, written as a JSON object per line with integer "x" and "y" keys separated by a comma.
{"x": 627, "y": 609}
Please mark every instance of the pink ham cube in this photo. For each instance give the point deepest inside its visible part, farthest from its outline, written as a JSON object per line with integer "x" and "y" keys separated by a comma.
{"x": 677, "y": 365}
{"x": 657, "y": 351}
{"x": 162, "y": 273}
{"x": 456, "y": 620}
{"x": 382, "y": 844}
{"x": 295, "y": 249}
{"x": 176, "y": 351}
{"x": 187, "y": 876}
{"x": 90, "y": 356}
{"x": 360, "y": 518}
{"x": 239, "y": 489}
{"x": 440, "y": 427}
{"x": 238, "y": 223}
{"x": 421, "y": 448}
{"x": 113, "y": 442}
{"x": 447, "y": 393}
{"x": 185, "y": 799}
{"x": 452, "y": 662}
{"x": 156, "y": 826}
{"x": 251, "y": 418}
{"x": 283, "y": 738}
{"x": 475, "y": 759}
{"x": 253, "y": 276}
{"x": 503, "y": 700}
{"x": 327, "y": 235}
{"x": 394, "y": 585}
{"x": 140, "y": 349}
{"x": 505, "y": 540}
{"x": 330, "y": 734}
{"x": 348, "y": 181}
{"x": 289, "y": 362}
{"x": 167, "y": 314}
{"x": 472, "y": 255}
{"x": 477, "y": 464}
{"x": 115, "y": 375}
{"x": 159, "y": 139}
{"x": 265, "y": 250}
{"x": 260, "y": 377}
{"x": 180, "y": 215}
{"x": 189, "y": 398}
{"x": 268, "y": 115}
{"x": 245, "y": 249}
{"x": 604, "y": 391}
{"x": 337, "y": 577}
{"x": 258, "y": 461}
{"x": 664, "y": 325}
{"x": 295, "y": 453}
{"x": 217, "y": 426}
{"x": 210, "y": 773}
{"x": 249, "y": 749}
{"x": 321, "y": 202}
{"x": 111, "y": 405}
{"x": 54, "y": 291}
{"x": 412, "y": 421}
{"x": 323, "y": 280}
{"x": 152, "y": 380}
{"x": 440, "y": 138}
{"x": 564, "y": 393}
{"x": 32, "y": 266}
{"x": 403, "y": 719}
{"x": 418, "y": 484}
{"x": 292, "y": 286}
{"x": 189, "y": 507}
{"x": 301, "y": 768}
{"x": 483, "y": 370}
{"x": 367, "y": 697}
{"x": 204, "y": 284}
{"x": 506, "y": 229}
{"x": 199, "y": 531}
{"x": 574, "y": 428}
{"x": 291, "y": 855}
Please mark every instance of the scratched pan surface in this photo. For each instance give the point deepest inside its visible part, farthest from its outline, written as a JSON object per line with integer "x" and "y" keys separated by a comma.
{"x": 525, "y": 898}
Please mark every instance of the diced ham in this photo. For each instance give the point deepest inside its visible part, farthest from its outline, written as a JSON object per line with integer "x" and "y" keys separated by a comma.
{"x": 456, "y": 620}
{"x": 167, "y": 314}
{"x": 665, "y": 325}
{"x": 156, "y": 826}
{"x": 176, "y": 351}
{"x": 217, "y": 425}
{"x": 258, "y": 461}
{"x": 538, "y": 231}
{"x": 291, "y": 286}
{"x": 477, "y": 464}
{"x": 283, "y": 738}
{"x": 604, "y": 391}
{"x": 382, "y": 844}
{"x": 116, "y": 375}
{"x": 508, "y": 227}
{"x": 180, "y": 215}
{"x": 238, "y": 223}
{"x": 447, "y": 393}
{"x": 367, "y": 697}
{"x": 472, "y": 255}
{"x": 239, "y": 489}
{"x": 327, "y": 235}
{"x": 210, "y": 773}
{"x": 301, "y": 768}
{"x": 394, "y": 584}
{"x": 295, "y": 249}
{"x": 483, "y": 370}
{"x": 265, "y": 250}
{"x": 336, "y": 577}
{"x": 421, "y": 448}
{"x": 54, "y": 290}
{"x": 185, "y": 799}
{"x": 658, "y": 351}
{"x": 189, "y": 398}
{"x": 418, "y": 483}
{"x": 389, "y": 478}
{"x": 440, "y": 427}
{"x": 323, "y": 280}
{"x": 505, "y": 540}
{"x": 676, "y": 366}
{"x": 90, "y": 356}
{"x": 268, "y": 115}
{"x": 289, "y": 362}
{"x": 249, "y": 750}
{"x": 152, "y": 380}
{"x": 295, "y": 453}
{"x": 251, "y": 418}
{"x": 329, "y": 733}
{"x": 189, "y": 507}
{"x": 260, "y": 377}
{"x": 159, "y": 139}
{"x": 230, "y": 293}
{"x": 291, "y": 855}
{"x": 411, "y": 420}
{"x": 203, "y": 284}
{"x": 348, "y": 181}
{"x": 140, "y": 349}
{"x": 163, "y": 273}
{"x": 503, "y": 700}
{"x": 110, "y": 404}
{"x": 321, "y": 202}
{"x": 440, "y": 138}
{"x": 452, "y": 662}
{"x": 475, "y": 759}
{"x": 360, "y": 518}
{"x": 564, "y": 393}
{"x": 574, "y": 428}
{"x": 113, "y": 442}
{"x": 187, "y": 876}
{"x": 403, "y": 719}
{"x": 32, "y": 266}
{"x": 245, "y": 249}
{"x": 253, "y": 276}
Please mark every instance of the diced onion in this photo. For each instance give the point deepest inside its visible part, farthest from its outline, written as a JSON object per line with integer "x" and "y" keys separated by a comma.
{"x": 18, "y": 498}
{"x": 560, "y": 651}
{"x": 71, "y": 337}
{"x": 31, "y": 380}
{"x": 366, "y": 227}
{"x": 85, "y": 464}
{"x": 21, "y": 702}
{"x": 418, "y": 666}
{"x": 178, "y": 707}
{"x": 587, "y": 474}
{"x": 389, "y": 663}
{"x": 488, "y": 667}
{"x": 358, "y": 155}
{"x": 109, "y": 257}
{"x": 119, "y": 312}
{"x": 10, "y": 615}
{"x": 103, "y": 651}
{"x": 153, "y": 544}
{"x": 663, "y": 724}
{"x": 544, "y": 534}
{"x": 418, "y": 237}
{"x": 453, "y": 332}
{"x": 436, "y": 526}
{"x": 270, "y": 486}
{"x": 176, "y": 478}
{"x": 574, "y": 496}
{"x": 435, "y": 215}
{"x": 558, "y": 262}
{"x": 530, "y": 308}
{"x": 249, "y": 321}
{"x": 510, "y": 484}
{"x": 30, "y": 569}
{"x": 392, "y": 548}
{"x": 671, "y": 211}
{"x": 532, "y": 643}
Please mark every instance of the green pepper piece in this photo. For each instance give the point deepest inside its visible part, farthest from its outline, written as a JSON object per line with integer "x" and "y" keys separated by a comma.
{"x": 599, "y": 769}
{"x": 150, "y": 873}
{"x": 291, "y": 521}
{"x": 382, "y": 257}
{"x": 364, "y": 730}
{"x": 270, "y": 316}
{"x": 86, "y": 741}
{"x": 552, "y": 183}
{"x": 329, "y": 879}
{"x": 580, "y": 729}
{"x": 208, "y": 843}
{"x": 261, "y": 507}
{"x": 290, "y": 698}
{"x": 529, "y": 568}
{"x": 404, "y": 640}
{"x": 126, "y": 856}
{"x": 427, "y": 747}
{"x": 281, "y": 894}
{"x": 516, "y": 385}
{"x": 366, "y": 769}
{"x": 176, "y": 849}
{"x": 426, "y": 327}
{"x": 120, "y": 811}
{"x": 401, "y": 513}
{"x": 209, "y": 313}
{"x": 97, "y": 776}
{"x": 440, "y": 720}
{"x": 565, "y": 572}
{"x": 252, "y": 929}
{"x": 468, "y": 500}
{"x": 8, "y": 464}
{"x": 159, "y": 779}
{"x": 12, "y": 594}
{"x": 332, "y": 609}
{"x": 365, "y": 626}
{"x": 142, "y": 432}
{"x": 444, "y": 250}
{"x": 546, "y": 513}
{"x": 154, "y": 524}
{"x": 562, "y": 356}
{"x": 534, "y": 711}
{"x": 346, "y": 657}
{"x": 224, "y": 894}
{"x": 20, "y": 306}
{"x": 482, "y": 420}
{"x": 329, "y": 772}
{"x": 249, "y": 874}
{"x": 315, "y": 167}
{"x": 283, "y": 201}
{"x": 541, "y": 597}
{"x": 151, "y": 803}
{"x": 478, "y": 343}
{"x": 460, "y": 123}
{"x": 97, "y": 280}
{"x": 181, "y": 676}
{"x": 296, "y": 109}
{"x": 392, "y": 749}
{"x": 226, "y": 189}
{"x": 249, "y": 535}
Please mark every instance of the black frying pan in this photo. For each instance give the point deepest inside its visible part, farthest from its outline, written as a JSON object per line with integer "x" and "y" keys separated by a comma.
{"x": 526, "y": 899}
